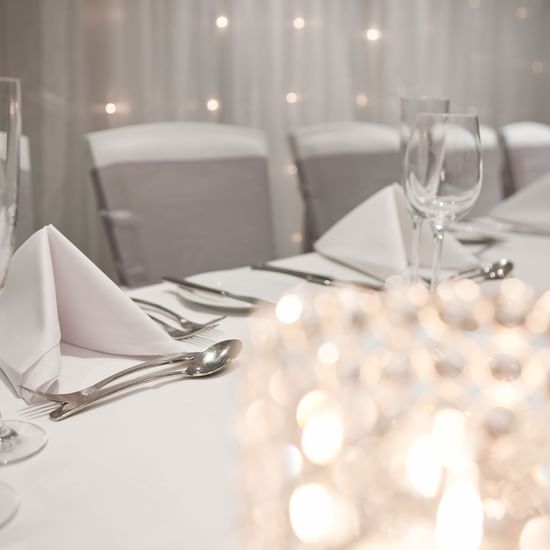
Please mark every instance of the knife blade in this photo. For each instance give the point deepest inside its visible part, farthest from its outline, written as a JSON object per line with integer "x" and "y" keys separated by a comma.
{"x": 317, "y": 278}
{"x": 186, "y": 283}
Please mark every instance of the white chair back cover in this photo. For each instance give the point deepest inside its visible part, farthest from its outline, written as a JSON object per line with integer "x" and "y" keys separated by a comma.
{"x": 181, "y": 198}
{"x": 527, "y": 153}
{"x": 339, "y": 166}
{"x": 492, "y": 188}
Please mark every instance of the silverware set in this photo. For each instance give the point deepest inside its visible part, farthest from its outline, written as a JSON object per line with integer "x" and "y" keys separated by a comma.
{"x": 209, "y": 361}
{"x": 181, "y": 365}
{"x": 499, "y": 269}
{"x": 490, "y": 271}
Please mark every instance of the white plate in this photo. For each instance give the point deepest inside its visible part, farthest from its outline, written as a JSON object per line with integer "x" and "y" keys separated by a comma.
{"x": 247, "y": 282}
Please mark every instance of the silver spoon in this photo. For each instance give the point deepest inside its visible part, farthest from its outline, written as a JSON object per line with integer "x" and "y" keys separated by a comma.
{"x": 213, "y": 360}
{"x": 497, "y": 270}
{"x": 491, "y": 271}
{"x": 193, "y": 364}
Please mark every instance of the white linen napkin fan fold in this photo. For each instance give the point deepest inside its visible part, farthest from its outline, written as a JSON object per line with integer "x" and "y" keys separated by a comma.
{"x": 528, "y": 206}
{"x": 53, "y": 294}
{"x": 375, "y": 237}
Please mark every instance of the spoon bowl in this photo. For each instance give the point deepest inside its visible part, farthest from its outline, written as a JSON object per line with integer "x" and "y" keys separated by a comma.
{"x": 492, "y": 271}
{"x": 497, "y": 270}
{"x": 215, "y": 358}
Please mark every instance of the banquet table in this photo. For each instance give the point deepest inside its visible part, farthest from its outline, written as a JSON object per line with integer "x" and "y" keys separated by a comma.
{"x": 160, "y": 468}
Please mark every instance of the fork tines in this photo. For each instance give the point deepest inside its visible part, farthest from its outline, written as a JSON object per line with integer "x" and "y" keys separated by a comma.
{"x": 35, "y": 410}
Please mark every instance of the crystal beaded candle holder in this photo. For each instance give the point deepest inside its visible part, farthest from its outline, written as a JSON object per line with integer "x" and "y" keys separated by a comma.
{"x": 398, "y": 420}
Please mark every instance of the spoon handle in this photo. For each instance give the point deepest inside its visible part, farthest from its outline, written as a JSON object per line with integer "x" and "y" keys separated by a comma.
{"x": 68, "y": 409}
{"x": 76, "y": 396}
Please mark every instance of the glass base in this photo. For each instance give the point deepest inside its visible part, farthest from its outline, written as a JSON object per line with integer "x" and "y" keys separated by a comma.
{"x": 8, "y": 504}
{"x": 21, "y": 440}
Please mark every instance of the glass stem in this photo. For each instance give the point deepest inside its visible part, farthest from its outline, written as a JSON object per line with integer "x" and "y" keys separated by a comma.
{"x": 415, "y": 247}
{"x": 439, "y": 233}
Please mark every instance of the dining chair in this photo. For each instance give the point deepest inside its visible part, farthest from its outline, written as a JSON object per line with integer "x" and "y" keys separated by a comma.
{"x": 492, "y": 188}
{"x": 24, "y": 225}
{"x": 339, "y": 166}
{"x": 179, "y": 198}
{"x": 526, "y": 148}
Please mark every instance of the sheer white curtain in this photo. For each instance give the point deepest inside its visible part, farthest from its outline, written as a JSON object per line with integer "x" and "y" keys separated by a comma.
{"x": 277, "y": 64}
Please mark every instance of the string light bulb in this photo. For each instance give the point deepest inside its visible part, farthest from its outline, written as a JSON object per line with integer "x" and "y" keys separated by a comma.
{"x": 521, "y": 12}
{"x": 361, "y": 100}
{"x": 110, "y": 108}
{"x": 212, "y": 104}
{"x": 299, "y": 23}
{"x": 291, "y": 97}
{"x": 297, "y": 237}
{"x": 222, "y": 22}
{"x": 373, "y": 34}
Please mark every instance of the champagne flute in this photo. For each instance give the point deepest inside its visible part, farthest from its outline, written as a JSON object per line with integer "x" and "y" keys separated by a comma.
{"x": 443, "y": 172}
{"x": 410, "y": 108}
{"x": 18, "y": 439}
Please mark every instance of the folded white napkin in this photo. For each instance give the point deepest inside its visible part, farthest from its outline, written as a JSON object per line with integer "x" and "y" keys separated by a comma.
{"x": 529, "y": 206}
{"x": 375, "y": 237}
{"x": 53, "y": 294}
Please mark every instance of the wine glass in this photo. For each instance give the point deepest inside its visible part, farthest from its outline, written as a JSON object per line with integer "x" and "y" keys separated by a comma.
{"x": 18, "y": 439}
{"x": 443, "y": 172}
{"x": 410, "y": 108}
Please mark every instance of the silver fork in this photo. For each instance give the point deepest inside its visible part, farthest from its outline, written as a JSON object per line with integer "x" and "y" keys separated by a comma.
{"x": 196, "y": 336}
{"x": 178, "y": 333}
{"x": 186, "y": 324}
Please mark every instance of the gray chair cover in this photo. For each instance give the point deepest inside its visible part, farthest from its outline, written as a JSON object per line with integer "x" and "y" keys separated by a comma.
{"x": 492, "y": 188}
{"x": 24, "y": 225}
{"x": 339, "y": 166}
{"x": 527, "y": 153}
{"x": 182, "y": 198}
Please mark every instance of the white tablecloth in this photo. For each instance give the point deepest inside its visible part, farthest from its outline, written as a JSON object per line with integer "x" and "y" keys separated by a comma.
{"x": 159, "y": 469}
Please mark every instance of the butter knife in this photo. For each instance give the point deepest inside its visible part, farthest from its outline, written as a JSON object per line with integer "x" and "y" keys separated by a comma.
{"x": 190, "y": 285}
{"x": 317, "y": 278}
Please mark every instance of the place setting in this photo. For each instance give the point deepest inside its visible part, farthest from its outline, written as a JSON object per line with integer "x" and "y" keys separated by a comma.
{"x": 283, "y": 284}
{"x": 107, "y": 322}
{"x": 145, "y": 326}
{"x": 400, "y": 240}
{"x": 88, "y": 329}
